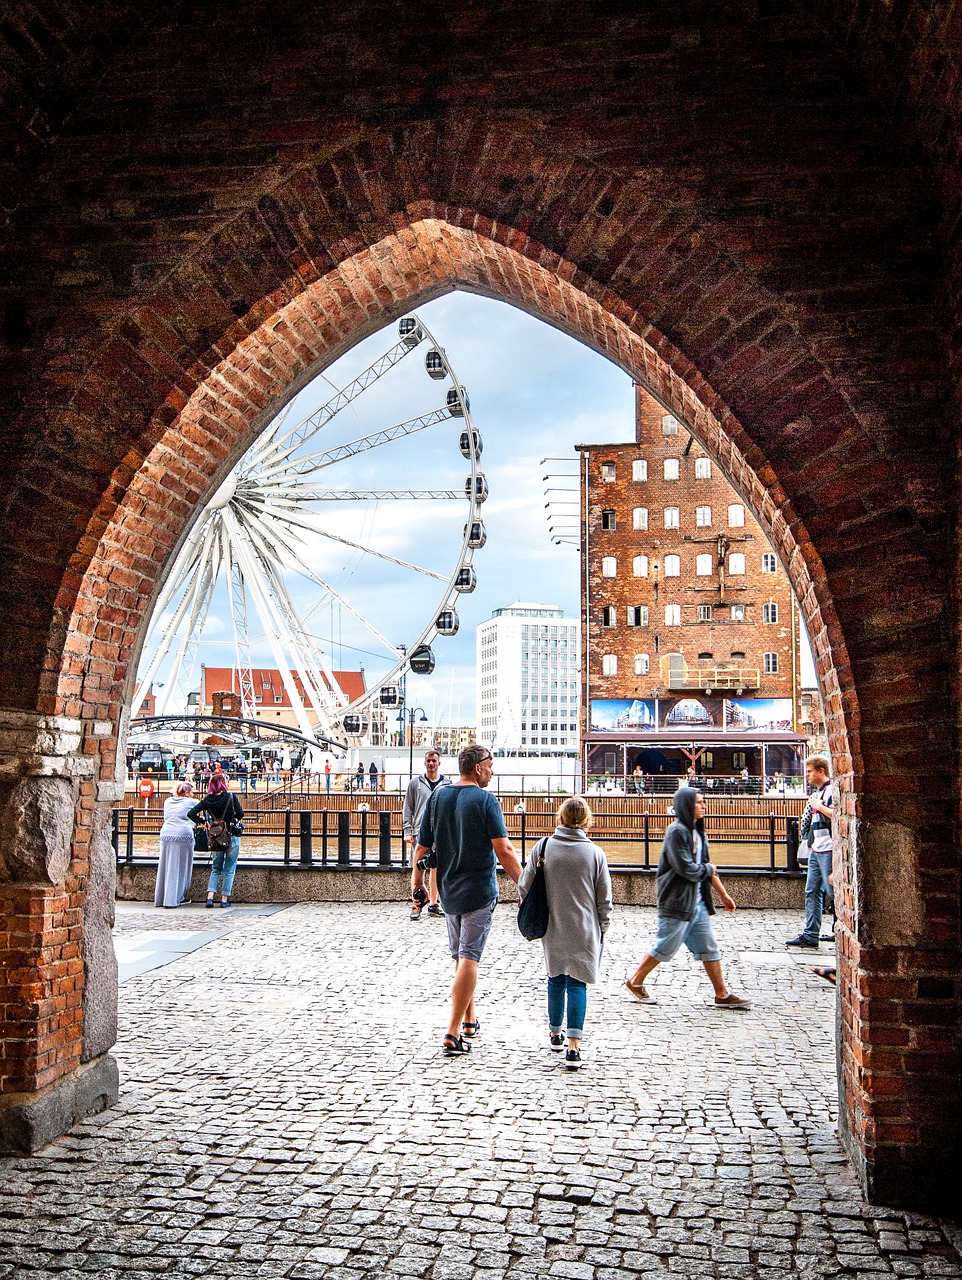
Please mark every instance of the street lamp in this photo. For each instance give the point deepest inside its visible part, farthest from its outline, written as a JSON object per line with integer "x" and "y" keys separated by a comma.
{"x": 411, "y": 713}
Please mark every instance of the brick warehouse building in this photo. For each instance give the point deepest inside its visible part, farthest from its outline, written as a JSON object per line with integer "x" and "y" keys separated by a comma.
{"x": 752, "y": 209}
{"x": 690, "y": 625}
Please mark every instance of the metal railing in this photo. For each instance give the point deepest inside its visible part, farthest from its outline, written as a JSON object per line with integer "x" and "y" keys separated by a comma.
{"x": 363, "y": 838}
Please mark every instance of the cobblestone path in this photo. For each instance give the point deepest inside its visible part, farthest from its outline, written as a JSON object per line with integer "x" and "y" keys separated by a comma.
{"x": 286, "y": 1112}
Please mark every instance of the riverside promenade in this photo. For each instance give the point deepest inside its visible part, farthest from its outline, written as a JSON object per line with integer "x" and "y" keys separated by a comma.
{"x": 285, "y": 1112}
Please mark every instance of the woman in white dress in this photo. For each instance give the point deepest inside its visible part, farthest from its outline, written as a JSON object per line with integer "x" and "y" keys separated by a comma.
{"x": 176, "y": 848}
{"x": 578, "y": 886}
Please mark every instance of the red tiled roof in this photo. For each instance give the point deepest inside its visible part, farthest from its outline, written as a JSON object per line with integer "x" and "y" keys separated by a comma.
{"x": 268, "y": 684}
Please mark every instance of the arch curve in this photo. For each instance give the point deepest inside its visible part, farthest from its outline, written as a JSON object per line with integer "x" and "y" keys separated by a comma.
{"x": 426, "y": 258}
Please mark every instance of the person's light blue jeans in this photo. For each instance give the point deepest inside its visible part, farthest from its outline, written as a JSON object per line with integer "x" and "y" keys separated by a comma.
{"x": 224, "y": 863}
{"x": 816, "y": 887}
{"x": 562, "y": 989}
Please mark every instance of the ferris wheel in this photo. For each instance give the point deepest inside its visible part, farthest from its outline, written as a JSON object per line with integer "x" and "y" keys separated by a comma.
{"x": 294, "y": 556}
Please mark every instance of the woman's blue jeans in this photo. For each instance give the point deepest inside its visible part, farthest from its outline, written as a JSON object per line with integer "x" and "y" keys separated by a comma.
{"x": 224, "y": 862}
{"x": 577, "y": 999}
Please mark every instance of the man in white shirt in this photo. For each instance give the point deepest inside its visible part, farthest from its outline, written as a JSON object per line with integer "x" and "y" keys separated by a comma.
{"x": 817, "y": 826}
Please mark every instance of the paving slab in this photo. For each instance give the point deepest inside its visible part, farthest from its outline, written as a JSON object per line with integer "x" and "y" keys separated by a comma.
{"x": 286, "y": 1112}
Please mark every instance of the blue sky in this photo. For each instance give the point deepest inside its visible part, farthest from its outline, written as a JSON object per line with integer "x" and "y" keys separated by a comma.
{"x": 534, "y": 392}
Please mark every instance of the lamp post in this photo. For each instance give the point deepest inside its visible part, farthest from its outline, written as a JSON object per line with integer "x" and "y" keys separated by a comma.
{"x": 411, "y": 713}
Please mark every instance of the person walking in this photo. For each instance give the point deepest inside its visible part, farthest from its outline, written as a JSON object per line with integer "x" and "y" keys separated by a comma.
{"x": 327, "y": 776}
{"x": 816, "y": 825}
{"x": 372, "y": 774}
{"x": 685, "y": 905}
{"x": 419, "y": 792}
{"x": 176, "y": 862}
{"x": 220, "y": 805}
{"x": 359, "y": 777}
{"x": 578, "y": 886}
{"x": 463, "y": 827}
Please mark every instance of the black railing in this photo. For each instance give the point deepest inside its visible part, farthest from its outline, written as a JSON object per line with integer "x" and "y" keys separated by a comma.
{"x": 366, "y": 838}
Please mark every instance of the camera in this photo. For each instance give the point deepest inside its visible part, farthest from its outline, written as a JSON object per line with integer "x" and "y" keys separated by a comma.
{"x": 420, "y": 896}
{"x": 427, "y": 862}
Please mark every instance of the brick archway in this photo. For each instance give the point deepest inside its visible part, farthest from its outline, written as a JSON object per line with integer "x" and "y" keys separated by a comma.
{"x": 106, "y": 596}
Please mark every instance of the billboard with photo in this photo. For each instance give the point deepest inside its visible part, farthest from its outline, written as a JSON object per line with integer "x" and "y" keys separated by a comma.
{"x": 758, "y": 714}
{"x": 628, "y": 714}
{"x": 691, "y": 713}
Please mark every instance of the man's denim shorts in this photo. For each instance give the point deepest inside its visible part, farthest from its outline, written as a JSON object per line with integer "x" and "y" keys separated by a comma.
{"x": 468, "y": 933}
{"x": 697, "y": 934}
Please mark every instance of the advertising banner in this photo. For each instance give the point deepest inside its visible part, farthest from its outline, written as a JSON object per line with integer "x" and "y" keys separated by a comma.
{"x": 754, "y": 715}
{"x": 691, "y": 713}
{"x": 629, "y": 714}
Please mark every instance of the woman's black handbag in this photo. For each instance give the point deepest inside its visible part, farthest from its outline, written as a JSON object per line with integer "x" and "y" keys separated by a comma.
{"x": 200, "y": 840}
{"x": 533, "y": 912}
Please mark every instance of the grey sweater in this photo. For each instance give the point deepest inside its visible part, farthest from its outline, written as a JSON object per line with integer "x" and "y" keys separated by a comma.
{"x": 579, "y": 903}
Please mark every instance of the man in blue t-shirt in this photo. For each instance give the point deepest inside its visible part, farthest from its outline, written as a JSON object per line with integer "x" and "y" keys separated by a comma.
{"x": 464, "y": 826}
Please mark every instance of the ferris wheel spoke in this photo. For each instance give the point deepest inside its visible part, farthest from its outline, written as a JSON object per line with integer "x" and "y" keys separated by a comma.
{"x": 328, "y": 690}
{"x": 280, "y": 642}
{"x": 268, "y": 558}
{"x": 314, "y": 461}
{"x": 200, "y": 598}
{"x": 302, "y": 522}
{"x": 307, "y": 493}
{"x": 189, "y": 572}
{"x": 283, "y": 445}
{"x": 237, "y": 604}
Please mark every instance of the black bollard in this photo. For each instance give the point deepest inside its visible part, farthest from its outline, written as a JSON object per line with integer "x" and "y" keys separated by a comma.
{"x": 343, "y": 838}
{"x": 384, "y": 838}
{"x": 791, "y": 843}
{"x": 307, "y": 852}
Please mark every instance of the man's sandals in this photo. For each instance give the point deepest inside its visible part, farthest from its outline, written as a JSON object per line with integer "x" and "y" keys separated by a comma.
{"x": 453, "y": 1046}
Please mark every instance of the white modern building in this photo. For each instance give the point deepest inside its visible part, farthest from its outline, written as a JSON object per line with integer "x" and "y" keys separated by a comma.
{"x": 528, "y": 678}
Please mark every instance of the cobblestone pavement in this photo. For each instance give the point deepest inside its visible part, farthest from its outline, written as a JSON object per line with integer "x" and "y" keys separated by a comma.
{"x": 286, "y": 1112}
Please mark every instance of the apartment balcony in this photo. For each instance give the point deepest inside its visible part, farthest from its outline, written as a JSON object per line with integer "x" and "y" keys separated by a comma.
{"x": 727, "y": 679}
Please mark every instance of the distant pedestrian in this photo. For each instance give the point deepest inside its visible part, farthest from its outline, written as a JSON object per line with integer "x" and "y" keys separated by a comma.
{"x": 578, "y": 885}
{"x": 816, "y": 827}
{"x": 176, "y": 862}
{"x": 372, "y": 772}
{"x": 327, "y": 776}
{"x": 359, "y": 777}
{"x": 685, "y": 906}
{"x": 419, "y": 792}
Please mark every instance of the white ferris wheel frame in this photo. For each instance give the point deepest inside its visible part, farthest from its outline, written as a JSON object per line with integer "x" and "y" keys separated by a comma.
{"x": 234, "y": 545}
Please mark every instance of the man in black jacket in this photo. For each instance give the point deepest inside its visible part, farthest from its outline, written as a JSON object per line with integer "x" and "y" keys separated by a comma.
{"x": 685, "y": 905}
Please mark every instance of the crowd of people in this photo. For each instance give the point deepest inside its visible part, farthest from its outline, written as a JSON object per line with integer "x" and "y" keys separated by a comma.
{"x": 457, "y": 831}
{"x": 462, "y": 839}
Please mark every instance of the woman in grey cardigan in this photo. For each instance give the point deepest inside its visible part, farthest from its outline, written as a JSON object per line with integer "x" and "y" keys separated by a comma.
{"x": 579, "y": 908}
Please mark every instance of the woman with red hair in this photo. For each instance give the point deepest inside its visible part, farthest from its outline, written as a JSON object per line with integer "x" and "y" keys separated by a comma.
{"x": 220, "y": 806}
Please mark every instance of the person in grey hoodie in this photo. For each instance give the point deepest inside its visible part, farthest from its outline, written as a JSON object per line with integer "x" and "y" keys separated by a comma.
{"x": 578, "y": 886}
{"x": 685, "y": 905}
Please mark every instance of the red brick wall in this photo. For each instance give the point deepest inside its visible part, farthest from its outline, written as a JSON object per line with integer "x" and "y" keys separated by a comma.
{"x": 722, "y": 638}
